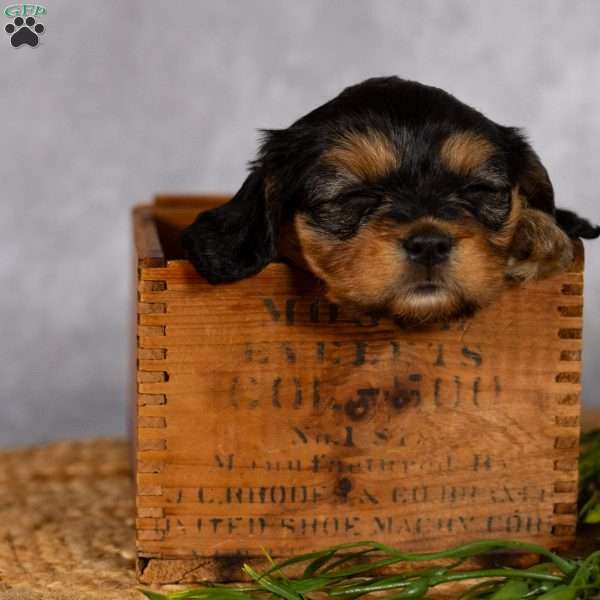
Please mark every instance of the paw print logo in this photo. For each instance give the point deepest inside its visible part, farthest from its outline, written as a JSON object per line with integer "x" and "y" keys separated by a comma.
{"x": 24, "y": 32}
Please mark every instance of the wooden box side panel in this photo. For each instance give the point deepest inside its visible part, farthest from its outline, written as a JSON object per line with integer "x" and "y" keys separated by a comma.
{"x": 192, "y": 339}
{"x": 173, "y": 213}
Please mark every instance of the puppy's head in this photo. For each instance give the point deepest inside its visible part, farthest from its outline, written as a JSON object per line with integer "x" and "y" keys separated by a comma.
{"x": 403, "y": 200}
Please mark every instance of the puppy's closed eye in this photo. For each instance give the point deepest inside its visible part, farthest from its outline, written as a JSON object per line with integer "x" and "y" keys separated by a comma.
{"x": 342, "y": 216}
{"x": 402, "y": 199}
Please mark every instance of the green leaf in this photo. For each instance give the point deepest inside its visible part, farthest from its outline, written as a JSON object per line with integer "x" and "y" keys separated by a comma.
{"x": 511, "y": 590}
{"x": 313, "y": 584}
{"x": 592, "y": 514}
{"x": 415, "y": 590}
{"x": 211, "y": 593}
{"x": 344, "y": 558}
{"x": 562, "y": 592}
{"x": 270, "y": 584}
{"x": 317, "y": 563}
{"x": 153, "y": 595}
{"x": 294, "y": 560}
{"x": 479, "y": 590}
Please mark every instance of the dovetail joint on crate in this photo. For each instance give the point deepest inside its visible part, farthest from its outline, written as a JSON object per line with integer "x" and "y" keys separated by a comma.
{"x": 154, "y": 355}
{"x": 568, "y": 440}
{"x": 151, "y": 523}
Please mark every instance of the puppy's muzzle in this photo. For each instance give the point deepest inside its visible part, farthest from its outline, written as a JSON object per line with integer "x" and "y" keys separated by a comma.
{"x": 428, "y": 248}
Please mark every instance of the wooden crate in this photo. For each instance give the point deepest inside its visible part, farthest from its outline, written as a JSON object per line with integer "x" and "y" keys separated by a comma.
{"x": 267, "y": 419}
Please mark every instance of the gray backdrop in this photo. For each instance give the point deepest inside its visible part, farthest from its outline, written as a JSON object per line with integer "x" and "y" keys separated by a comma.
{"x": 122, "y": 100}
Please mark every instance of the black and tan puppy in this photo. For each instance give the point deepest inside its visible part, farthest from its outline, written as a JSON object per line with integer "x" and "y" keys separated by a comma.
{"x": 402, "y": 199}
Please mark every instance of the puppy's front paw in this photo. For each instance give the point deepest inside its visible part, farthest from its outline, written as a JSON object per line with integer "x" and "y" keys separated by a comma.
{"x": 539, "y": 247}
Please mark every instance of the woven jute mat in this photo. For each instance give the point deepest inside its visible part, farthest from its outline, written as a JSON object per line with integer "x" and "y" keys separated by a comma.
{"x": 66, "y": 522}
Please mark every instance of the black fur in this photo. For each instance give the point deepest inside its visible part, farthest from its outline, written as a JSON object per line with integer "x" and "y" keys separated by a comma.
{"x": 527, "y": 171}
{"x": 575, "y": 226}
{"x": 238, "y": 239}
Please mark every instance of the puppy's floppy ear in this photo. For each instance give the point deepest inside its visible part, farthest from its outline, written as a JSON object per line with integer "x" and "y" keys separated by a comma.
{"x": 534, "y": 184}
{"x": 237, "y": 239}
{"x": 527, "y": 172}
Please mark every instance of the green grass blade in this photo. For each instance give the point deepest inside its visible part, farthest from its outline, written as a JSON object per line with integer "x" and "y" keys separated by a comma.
{"x": 312, "y": 584}
{"x": 415, "y": 590}
{"x": 272, "y": 585}
{"x": 317, "y": 563}
{"x": 346, "y": 558}
{"x": 153, "y": 595}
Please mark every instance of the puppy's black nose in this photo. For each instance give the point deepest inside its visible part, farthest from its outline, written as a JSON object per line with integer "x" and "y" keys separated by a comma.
{"x": 428, "y": 248}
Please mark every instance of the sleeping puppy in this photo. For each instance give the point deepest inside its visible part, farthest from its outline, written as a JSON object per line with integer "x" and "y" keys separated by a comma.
{"x": 403, "y": 200}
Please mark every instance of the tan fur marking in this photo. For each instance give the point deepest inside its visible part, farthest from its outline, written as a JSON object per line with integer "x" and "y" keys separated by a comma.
{"x": 465, "y": 151}
{"x": 367, "y": 156}
{"x": 371, "y": 271}
{"x": 346, "y": 266}
{"x": 504, "y": 237}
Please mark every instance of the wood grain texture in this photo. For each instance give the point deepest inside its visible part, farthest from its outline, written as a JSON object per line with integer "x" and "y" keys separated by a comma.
{"x": 266, "y": 418}
{"x": 148, "y": 248}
